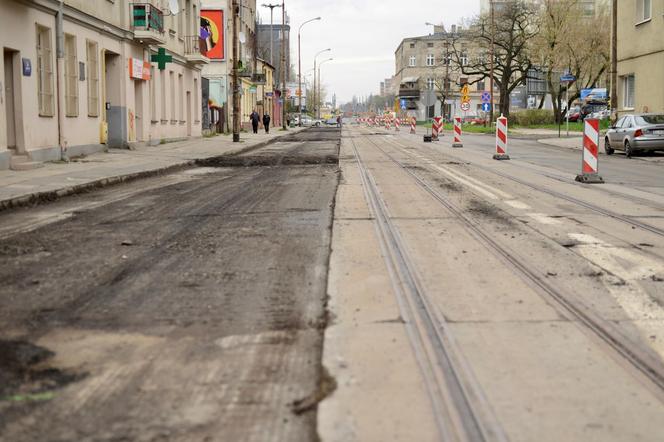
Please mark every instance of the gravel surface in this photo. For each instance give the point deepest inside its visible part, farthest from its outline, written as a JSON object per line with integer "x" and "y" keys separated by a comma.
{"x": 192, "y": 311}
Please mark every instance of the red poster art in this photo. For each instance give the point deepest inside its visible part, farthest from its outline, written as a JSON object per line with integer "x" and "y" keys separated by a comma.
{"x": 211, "y": 34}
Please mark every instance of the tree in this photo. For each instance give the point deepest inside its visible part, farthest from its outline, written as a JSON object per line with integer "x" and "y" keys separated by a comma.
{"x": 516, "y": 23}
{"x": 564, "y": 44}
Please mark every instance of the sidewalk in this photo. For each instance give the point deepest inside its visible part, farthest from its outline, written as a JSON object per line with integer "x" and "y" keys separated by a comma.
{"x": 57, "y": 179}
{"x": 575, "y": 143}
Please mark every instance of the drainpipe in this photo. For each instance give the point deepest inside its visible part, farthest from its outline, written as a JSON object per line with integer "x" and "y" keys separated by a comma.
{"x": 59, "y": 72}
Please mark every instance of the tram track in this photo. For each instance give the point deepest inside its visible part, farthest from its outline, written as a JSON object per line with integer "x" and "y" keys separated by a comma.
{"x": 590, "y": 206}
{"x": 643, "y": 360}
{"x": 461, "y": 410}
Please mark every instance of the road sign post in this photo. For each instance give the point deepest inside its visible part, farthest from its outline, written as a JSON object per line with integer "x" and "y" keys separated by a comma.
{"x": 568, "y": 79}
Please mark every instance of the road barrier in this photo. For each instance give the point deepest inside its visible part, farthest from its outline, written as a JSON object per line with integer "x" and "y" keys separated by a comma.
{"x": 397, "y": 125}
{"x": 501, "y": 139}
{"x": 436, "y": 126}
{"x": 589, "y": 159}
{"x": 413, "y": 123}
{"x": 457, "y": 133}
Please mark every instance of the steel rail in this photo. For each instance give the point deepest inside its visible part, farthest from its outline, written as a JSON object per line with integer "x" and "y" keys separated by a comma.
{"x": 645, "y": 361}
{"x": 461, "y": 410}
{"x": 590, "y": 206}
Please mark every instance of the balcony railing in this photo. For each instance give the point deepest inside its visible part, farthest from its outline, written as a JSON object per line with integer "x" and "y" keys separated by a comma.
{"x": 147, "y": 22}
{"x": 194, "y": 49}
{"x": 147, "y": 16}
{"x": 408, "y": 92}
{"x": 259, "y": 79}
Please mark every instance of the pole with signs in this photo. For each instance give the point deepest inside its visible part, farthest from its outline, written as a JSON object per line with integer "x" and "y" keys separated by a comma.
{"x": 568, "y": 79}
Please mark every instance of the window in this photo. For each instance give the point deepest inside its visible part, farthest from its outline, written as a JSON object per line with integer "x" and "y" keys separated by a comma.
{"x": 412, "y": 45}
{"x": 411, "y": 61}
{"x": 628, "y": 91}
{"x": 431, "y": 60}
{"x": 93, "y": 78}
{"x": 463, "y": 58}
{"x": 447, "y": 58}
{"x": 480, "y": 85}
{"x": 430, "y": 83}
{"x": 429, "y": 45}
{"x": 447, "y": 84}
{"x": 153, "y": 95}
{"x": 45, "y": 71}
{"x": 643, "y": 10}
{"x": 171, "y": 84}
{"x": 71, "y": 77}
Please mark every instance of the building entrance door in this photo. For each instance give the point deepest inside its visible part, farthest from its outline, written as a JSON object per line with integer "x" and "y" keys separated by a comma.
{"x": 10, "y": 89}
{"x": 115, "y": 113}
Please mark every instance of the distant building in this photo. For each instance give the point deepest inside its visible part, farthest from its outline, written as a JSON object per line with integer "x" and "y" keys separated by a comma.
{"x": 386, "y": 87}
{"x": 426, "y": 70}
{"x": 640, "y": 56}
{"x": 269, "y": 47}
{"x": 100, "y": 89}
{"x": 589, "y": 6}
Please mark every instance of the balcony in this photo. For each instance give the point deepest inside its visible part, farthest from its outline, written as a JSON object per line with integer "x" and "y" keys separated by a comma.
{"x": 194, "y": 50}
{"x": 259, "y": 79}
{"x": 409, "y": 93}
{"x": 147, "y": 24}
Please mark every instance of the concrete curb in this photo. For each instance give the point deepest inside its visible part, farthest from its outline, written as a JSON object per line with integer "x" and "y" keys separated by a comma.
{"x": 36, "y": 198}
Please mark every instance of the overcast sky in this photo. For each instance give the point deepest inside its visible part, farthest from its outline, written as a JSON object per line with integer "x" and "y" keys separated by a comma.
{"x": 363, "y": 35}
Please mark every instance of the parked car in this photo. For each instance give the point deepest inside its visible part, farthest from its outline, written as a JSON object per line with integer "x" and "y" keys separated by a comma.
{"x": 635, "y": 132}
{"x": 574, "y": 114}
{"x": 473, "y": 120}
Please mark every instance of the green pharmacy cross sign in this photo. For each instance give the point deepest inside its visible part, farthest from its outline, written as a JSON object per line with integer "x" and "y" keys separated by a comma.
{"x": 161, "y": 58}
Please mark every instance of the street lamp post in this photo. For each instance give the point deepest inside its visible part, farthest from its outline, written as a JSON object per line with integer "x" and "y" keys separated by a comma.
{"x": 299, "y": 68}
{"x": 315, "y": 57}
{"x": 319, "y": 84}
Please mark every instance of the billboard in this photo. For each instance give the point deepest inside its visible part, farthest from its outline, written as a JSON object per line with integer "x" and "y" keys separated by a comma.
{"x": 212, "y": 34}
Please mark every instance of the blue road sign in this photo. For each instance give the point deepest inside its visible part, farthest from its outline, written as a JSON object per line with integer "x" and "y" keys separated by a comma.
{"x": 567, "y": 78}
{"x": 486, "y": 97}
{"x": 403, "y": 103}
{"x": 486, "y": 107}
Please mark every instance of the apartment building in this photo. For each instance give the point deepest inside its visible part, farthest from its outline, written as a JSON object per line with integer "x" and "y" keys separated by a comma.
{"x": 78, "y": 75}
{"x": 640, "y": 56}
{"x": 426, "y": 69}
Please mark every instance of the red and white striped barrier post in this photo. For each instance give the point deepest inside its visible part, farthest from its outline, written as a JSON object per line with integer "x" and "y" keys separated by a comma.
{"x": 387, "y": 124}
{"x": 589, "y": 160}
{"x": 397, "y": 125}
{"x": 457, "y": 133}
{"x": 413, "y": 122}
{"x": 501, "y": 139}
{"x": 435, "y": 128}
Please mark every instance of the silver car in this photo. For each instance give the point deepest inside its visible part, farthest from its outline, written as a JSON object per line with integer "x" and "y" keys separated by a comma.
{"x": 636, "y": 132}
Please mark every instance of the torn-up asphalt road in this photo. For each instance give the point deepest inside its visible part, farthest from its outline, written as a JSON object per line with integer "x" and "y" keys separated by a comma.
{"x": 188, "y": 311}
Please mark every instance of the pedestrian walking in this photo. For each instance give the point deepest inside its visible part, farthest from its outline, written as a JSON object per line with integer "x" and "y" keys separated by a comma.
{"x": 255, "y": 119}
{"x": 339, "y": 121}
{"x": 266, "y": 122}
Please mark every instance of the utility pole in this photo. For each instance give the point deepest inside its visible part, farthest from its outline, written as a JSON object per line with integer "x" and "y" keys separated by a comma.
{"x": 271, "y": 6}
{"x": 492, "y": 55}
{"x": 614, "y": 60}
{"x": 236, "y": 82}
{"x": 283, "y": 65}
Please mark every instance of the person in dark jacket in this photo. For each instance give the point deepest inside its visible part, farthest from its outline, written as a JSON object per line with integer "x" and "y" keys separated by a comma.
{"x": 266, "y": 123}
{"x": 255, "y": 119}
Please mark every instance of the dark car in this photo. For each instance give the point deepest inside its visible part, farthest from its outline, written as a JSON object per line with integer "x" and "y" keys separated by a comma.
{"x": 635, "y": 132}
